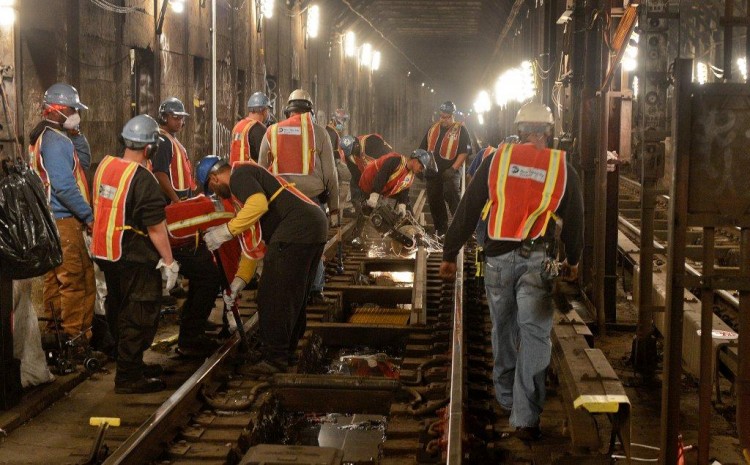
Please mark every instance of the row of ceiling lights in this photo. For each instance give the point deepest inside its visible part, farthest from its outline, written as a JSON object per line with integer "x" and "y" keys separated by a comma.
{"x": 367, "y": 56}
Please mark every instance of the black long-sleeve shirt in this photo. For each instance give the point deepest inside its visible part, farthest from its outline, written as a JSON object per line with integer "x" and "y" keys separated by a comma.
{"x": 470, "y": 209}
{"x": 381, "y": 179}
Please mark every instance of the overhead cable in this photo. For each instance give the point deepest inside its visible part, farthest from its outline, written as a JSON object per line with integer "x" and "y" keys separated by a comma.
{"x": 104, "y": 4}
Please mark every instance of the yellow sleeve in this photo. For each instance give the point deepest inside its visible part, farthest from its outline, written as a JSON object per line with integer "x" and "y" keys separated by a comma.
{"x": 246, "y": 270}
{"x": 255, "y": 206}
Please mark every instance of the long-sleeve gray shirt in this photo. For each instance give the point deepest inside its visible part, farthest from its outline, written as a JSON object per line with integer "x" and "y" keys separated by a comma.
{"x": 324, "y": 176}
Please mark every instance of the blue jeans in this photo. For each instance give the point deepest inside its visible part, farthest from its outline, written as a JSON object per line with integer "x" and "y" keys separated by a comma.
{"x": 520, "y": 304}
{"x": 320, "y": 273}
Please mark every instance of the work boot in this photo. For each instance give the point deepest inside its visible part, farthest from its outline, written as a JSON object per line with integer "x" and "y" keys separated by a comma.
{"x": 529, "y": 433}
{"x": 152, "y": 370}
{"x": 139, "y": 386}
{"x": 198, "y": 345}
{"x": 317, "y": 298}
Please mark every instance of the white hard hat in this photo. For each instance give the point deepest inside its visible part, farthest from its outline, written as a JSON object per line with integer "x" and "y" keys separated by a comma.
{"x": 535, "y": 112}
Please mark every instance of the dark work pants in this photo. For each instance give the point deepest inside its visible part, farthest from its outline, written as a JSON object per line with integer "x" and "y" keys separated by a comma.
{"x": 198, "y": 266}
{"x": 288, "y": 274}
{"x": 440, "y": 191}
{"x": 133, "y": 303}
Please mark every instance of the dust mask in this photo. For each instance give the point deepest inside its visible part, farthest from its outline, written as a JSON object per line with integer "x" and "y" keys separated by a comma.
{"x": 72, "y": 121}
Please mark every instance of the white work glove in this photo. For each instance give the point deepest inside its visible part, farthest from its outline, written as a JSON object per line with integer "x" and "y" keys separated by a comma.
{"x": 335, "y": 220}
{"x": 169, "y": 272}
{"x": 230, "y": 297}
{"x": 401, "y": 209}
{"x": 216, "y": 236}
{"x": 372, "y": 201}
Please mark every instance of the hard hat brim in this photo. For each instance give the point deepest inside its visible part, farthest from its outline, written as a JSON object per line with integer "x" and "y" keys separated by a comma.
{"x": 178, "y": 113}
{"x": 79, "y": 106}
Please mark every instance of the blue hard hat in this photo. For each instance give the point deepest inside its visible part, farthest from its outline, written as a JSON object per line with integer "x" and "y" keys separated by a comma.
{"x": 347, "y": 144}
{"x": 207, "y": 165}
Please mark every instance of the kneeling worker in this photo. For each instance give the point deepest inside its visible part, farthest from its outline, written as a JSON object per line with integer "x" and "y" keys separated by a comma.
{"x": 391, "y": 175}
{"x": 130, "y": 238}
{"x": 294, "y": 229}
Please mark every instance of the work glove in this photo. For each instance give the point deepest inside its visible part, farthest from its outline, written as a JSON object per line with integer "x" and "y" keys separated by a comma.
{"x": 401, "y": 209}
{"x": 216, "y": 236}
{"x": 169, "y": 273}
{"x": 372, "y": 201}
{"x": 335, "y": 219}
{"x": 230, "y": 296}
{"x": 448, "y": 174}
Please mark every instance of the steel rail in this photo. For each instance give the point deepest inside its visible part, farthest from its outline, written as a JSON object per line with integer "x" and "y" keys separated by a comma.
{"x": 630, "y": 227}
{"x": 147, "y": 443}
{"x": 457, "y": 388}
{"x": 458, "y": 392}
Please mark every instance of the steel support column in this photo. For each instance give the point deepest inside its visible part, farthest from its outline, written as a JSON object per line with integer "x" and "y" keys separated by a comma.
{"x": 743, "y": 375}
{"x": 672, "y": 378}
{"x": 706, "y": 349}
{"x": 588, "y": 135}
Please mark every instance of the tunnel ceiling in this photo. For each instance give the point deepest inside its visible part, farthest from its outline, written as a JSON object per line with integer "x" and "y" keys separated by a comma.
{"x": 450, "y": 41}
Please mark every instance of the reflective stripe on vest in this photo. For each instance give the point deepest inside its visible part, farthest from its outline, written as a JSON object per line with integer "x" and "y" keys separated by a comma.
{"x": 526, "y": 186}
{"x": 36, "y": 160}
{"x": 180, "y": 170}
{"x": 111, "y": 186}
{"x": 240, "y": 149}
{"x": 363, "y": 145}
{"x": 449, "y": 144}
{"x": 399, "y": 180}
{"x": 187, "y": 219}
{"x": 487, "y": 152}
{"x": 292, "y": 146}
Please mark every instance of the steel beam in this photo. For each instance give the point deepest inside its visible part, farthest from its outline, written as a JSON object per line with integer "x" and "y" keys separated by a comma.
{"x": 672, "y": 379}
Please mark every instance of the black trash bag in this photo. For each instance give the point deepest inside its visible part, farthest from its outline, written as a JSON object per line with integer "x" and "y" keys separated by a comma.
{"x": 29, "y": 241}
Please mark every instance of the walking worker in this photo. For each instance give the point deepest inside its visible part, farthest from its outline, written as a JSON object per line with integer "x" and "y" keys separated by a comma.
{"x": 60, "y": 154}
{"x": 449, "y": 141}
{"x": 300, "y": 151}
{"x": 247, "y": 134}
{"x": 171, "y": 165}
{"x": 391, "y": 176}
{"x": 294, "y": 229}
{"x": 519, "y": 190}
{"x": 131, "y": 242}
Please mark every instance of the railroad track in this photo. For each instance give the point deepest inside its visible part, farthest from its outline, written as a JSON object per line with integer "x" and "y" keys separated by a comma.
{"x": 399, "y": 390}
{"x": 726, "y": 244}
{"x": 726, "y": 303}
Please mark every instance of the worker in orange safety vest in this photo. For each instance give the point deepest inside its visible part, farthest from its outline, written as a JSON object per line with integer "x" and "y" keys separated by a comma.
{"x": 247, "y": 134}
{"x": 131, "y": 244}
{"x": 523, "y": 192}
